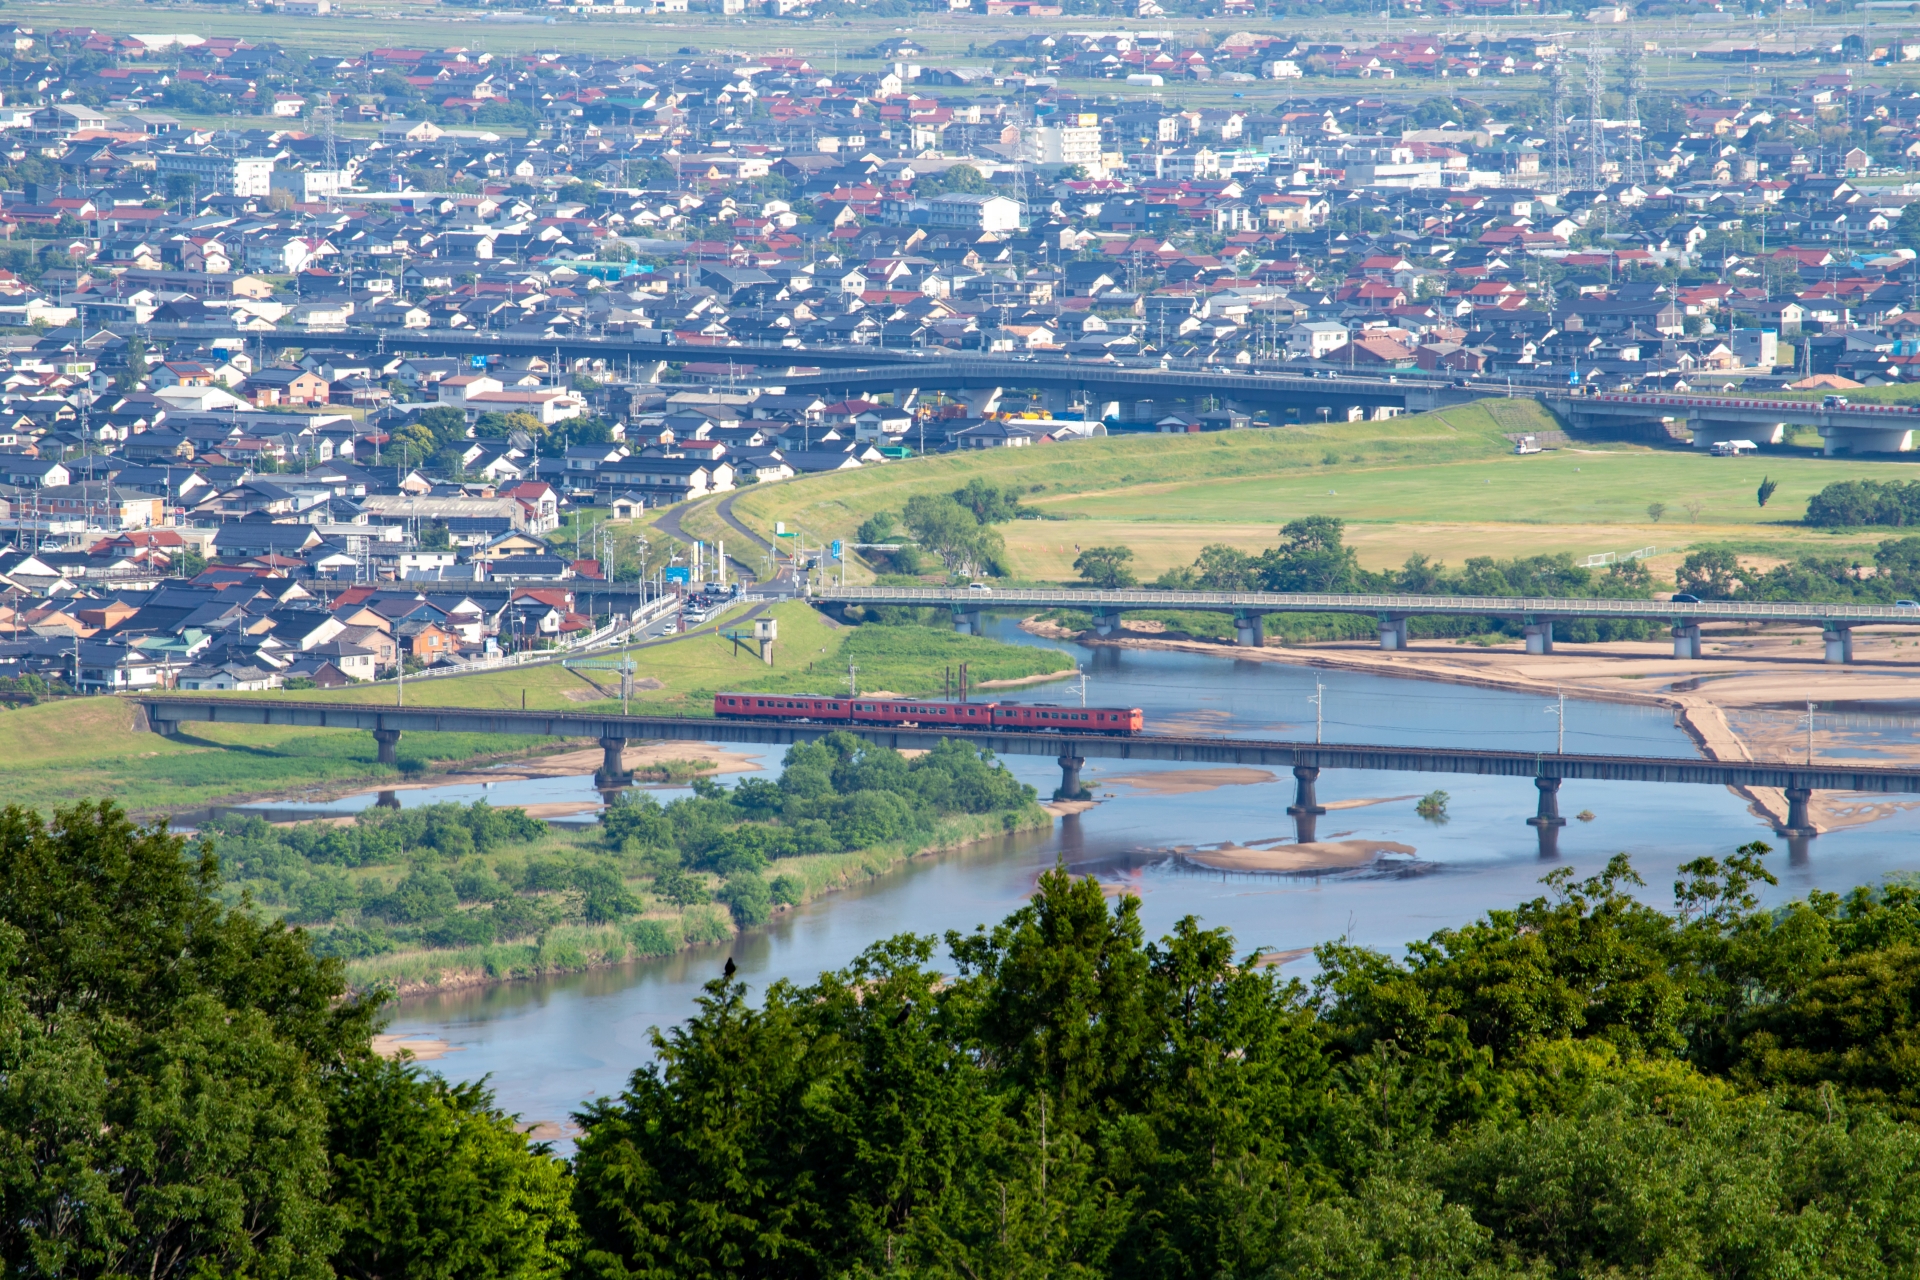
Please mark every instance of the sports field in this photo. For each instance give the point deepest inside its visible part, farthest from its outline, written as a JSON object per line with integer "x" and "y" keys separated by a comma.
{"x": 1446, "y": 485}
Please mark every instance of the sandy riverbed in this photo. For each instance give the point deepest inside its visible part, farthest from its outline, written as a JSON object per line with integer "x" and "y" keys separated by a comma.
{"x": 1299, "y": 859}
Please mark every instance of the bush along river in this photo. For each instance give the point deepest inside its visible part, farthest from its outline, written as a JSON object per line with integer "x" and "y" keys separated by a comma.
{"x": 1188, "y": 840}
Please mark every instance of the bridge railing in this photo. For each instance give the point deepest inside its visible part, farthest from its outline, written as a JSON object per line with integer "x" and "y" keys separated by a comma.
{"x": 1332, "y": 602}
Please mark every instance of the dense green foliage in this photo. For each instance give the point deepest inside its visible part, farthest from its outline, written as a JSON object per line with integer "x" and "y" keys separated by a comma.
{"x": 188, "y": 1091}
{"x": 1715, "y": 573}
{"x": 1865, "y": 502}
{"x": 1581, "y": 1086}
{"x": 832, "y": 795}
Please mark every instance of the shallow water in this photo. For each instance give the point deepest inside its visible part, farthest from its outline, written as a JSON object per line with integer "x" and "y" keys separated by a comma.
{"x": 549, "y": 1044}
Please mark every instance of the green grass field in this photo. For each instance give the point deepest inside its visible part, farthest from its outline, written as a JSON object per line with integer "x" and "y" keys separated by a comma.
{"x": 88, "y": 748}
{"x": 1446, "y": 485}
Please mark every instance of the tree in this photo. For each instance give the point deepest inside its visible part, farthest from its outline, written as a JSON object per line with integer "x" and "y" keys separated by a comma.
{"x": 1712, "y": 573}
{"x": 159, "y": 1109}
{"x": 1106, "y": 567}
{"x": 1655, "y": 510}
{"x": 1767, "y": 487}
{"x": 947, "y": 529}
{"x": 1312, "y": 556}
{"x": 434, "y": 1182}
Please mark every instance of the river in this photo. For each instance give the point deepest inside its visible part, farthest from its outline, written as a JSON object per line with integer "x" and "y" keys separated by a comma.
{"x": 547, "y": 1045}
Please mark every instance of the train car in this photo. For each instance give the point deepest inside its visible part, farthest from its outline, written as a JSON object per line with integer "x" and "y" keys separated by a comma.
{"x": 1050, "y": 718}
{"x": 787, "y": 706}
{"x": 929, "y": 712}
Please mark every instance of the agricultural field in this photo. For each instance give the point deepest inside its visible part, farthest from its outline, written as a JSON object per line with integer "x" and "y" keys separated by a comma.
{"x": 1444, "y": 484}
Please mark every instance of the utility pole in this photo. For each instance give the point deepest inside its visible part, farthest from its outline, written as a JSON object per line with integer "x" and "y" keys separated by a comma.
{"x": 1319, "y": 701}
{"x": 1809, "y": 733}
{"x": 853, "y": 683}
{"x": 1559, "y": 712}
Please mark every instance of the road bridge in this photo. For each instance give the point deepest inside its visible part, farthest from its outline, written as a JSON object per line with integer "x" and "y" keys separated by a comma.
{"x": 167, "y": 714}
{"x": 903, "y": 373}
{"x": 1846, "y": 428}
{"x": 1537, "y": 614}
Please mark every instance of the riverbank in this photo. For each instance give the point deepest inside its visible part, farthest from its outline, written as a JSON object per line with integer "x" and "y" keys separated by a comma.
{"x": 579, "y": 948}
{"x": 1745, "y": 700}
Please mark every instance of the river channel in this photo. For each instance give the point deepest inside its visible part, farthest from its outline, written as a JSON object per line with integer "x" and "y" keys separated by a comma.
{"x": 550, "y": 1044}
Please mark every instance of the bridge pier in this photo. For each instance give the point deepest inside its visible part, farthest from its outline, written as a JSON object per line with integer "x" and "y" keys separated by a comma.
{"x": 1839, "y": 641}
{"x": 982, "y": 401}
{"x": 613, "y": 770}
{"x": 1798, "y": 823}
{"x": 1106, "y": 621}
{"x": 903, "y": 397}
{"x": 1249, "y": 630}
{"x": 387, "y": 800}
{"x": 1304, "y": 802}
{"x": 389, "y": 743}
{"x": 1070, "y": 788}
{"x": 966, "y": 621}
{"x": 1547, "y": 813}
{"x": 1539, "y": 637}
{"x": 1393, "y": 632}
{"x": 1686, "y": 640}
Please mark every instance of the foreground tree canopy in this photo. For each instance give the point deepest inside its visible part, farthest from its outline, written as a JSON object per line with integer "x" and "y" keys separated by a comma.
{"x": 1581, "y": 1086}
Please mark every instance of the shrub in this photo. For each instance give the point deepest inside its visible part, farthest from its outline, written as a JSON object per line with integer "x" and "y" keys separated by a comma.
{"x": 748, "y": 898}
{"x": 651, "y": 938}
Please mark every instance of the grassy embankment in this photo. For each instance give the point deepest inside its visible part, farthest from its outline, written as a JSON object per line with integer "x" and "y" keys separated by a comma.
{"x": 1443, "y": 484}
{"x": 60, "y": 752}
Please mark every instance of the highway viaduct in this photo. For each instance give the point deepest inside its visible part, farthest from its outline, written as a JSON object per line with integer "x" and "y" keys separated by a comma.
{"x": 167, "y": 714}
{"x": 848, "y": 370}
{"x": 1537, "y": 614}
{"x": 1845, "y": 428}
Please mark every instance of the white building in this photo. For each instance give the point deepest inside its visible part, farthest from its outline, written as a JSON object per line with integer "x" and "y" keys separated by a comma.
{"x": 973, "y": 212}
{"x": 211, "y": 171}
{"x": 1315, "y": 338}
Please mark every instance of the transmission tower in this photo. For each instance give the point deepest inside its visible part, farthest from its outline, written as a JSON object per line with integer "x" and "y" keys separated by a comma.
{"x": 1594, "y": 169}
{"x": 1634, "y": 163}
{"x": 333, "y": 158}
{"x": 1559, "y": 170}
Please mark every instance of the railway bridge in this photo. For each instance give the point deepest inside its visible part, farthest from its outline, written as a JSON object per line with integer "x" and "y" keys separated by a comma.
{"x": 170, "y": 714}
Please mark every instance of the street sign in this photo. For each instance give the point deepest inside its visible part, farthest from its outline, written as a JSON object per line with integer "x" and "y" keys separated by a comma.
{"x": 477, "y": 362}
{"x": 835, "y": 549}
{"x": 679, "y": 573}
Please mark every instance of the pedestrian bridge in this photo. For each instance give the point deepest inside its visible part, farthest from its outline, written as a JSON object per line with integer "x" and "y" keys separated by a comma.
{"x": 1536, "y": 613}
{"x": 1847, "y": 428}
{"x": 170, "y": 714}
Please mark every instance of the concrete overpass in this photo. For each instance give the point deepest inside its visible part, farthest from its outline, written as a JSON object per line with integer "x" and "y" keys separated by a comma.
{"x": 168, "y": 714}
{"x": 874, "y": 369}
{"x": 1536, "y": 613}
{"x": 1851, "y": 428}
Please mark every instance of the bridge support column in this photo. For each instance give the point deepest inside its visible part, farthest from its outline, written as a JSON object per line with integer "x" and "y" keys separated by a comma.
{"x": 1056, "y": 401}
{"x": 1249, "y": 630}
{"x": 1539, "y": 637}
{"x": 1109, "y": 409}
{"x": 1304, "y": 802}
{"x": 966, "y": 621}
{"x": 1547, "y": 813}
{"x": 387, "y": 800}
{"x": 903, "y": 397}
{"x": 613, "y": 765}
{"x": 1393, "y": 633}
{"x": 1070, "y": 788}
{"x": 389, "y": 743}
{"x": 1686, "y": 640}
{"x": 982, "y": 401}
{"x": 1839, "y": 644}
{"x": 1798, "y": 823}
{"x": 1106, "y": 622}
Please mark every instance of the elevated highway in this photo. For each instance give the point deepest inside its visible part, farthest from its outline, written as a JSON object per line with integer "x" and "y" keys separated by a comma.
{"x": 1536, "y": 613}
{"x": 169, "y": 714}
{"x": 875, "y": 369}
{"x": 1846, "y": 428}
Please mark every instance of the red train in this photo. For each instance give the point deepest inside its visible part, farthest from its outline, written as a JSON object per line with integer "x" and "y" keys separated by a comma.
{"x": 928, "y": 713}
